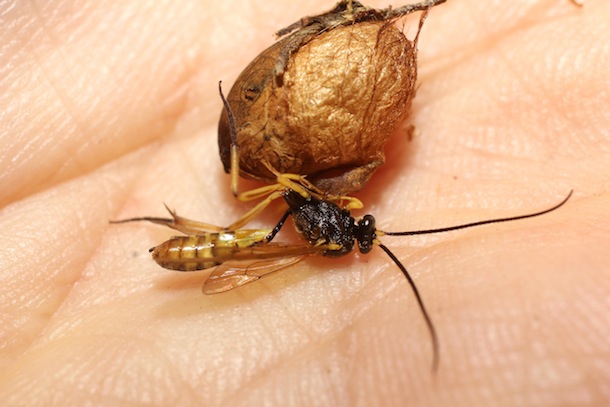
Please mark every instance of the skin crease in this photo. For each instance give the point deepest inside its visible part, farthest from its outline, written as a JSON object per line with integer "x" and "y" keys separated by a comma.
{"x": 110, "y": 110}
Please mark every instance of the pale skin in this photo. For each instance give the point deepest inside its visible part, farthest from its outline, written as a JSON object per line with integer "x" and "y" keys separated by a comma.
{"x": 111, "y": 110}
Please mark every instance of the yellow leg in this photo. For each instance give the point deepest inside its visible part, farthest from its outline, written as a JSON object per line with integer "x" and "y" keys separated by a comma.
{"x": 295, "y": 182}
{"x": 252, "y": 213}
{"x": 258, "y": 193}
{"x": 300, "y": 184}
{"x": 352, "y": 203}
{"x": 189, "y": 226}
{"x": 184, "y": 225}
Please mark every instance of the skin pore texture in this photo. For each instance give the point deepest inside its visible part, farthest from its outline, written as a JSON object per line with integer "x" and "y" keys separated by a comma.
{"x": 111, "y": 110}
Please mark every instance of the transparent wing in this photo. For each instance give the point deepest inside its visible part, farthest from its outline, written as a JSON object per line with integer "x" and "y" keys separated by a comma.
{"x": 231, "y": 275}
{"x": 263, "y": 260}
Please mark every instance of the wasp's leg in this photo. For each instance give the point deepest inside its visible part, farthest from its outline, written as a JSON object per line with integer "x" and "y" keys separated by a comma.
{"x": 275, "y": 191}
{"x": 184, "y": 225}
{"x": 258, "y": 193}
{"x": 277, "y": 227}
{"x": 296, "y": 182}
{"x": 159, "y": 221}
{"x": 352, "y": 203}
{"x": 189, "y": 226}
{"x": 301, "y": 185}
{"x": 252, "y": 213}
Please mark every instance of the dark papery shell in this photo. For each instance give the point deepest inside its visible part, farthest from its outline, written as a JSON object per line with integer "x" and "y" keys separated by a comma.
{"x": 342, "y": 95}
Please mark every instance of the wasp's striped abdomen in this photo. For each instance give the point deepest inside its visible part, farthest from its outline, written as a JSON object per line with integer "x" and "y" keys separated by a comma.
{"x": 198, "y": 252}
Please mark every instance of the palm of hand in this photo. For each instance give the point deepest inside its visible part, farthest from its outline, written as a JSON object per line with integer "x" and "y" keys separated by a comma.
{"x": 510, "y": 115}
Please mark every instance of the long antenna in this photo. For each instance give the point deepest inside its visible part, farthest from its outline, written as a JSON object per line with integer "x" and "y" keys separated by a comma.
{"x": 431, "y": 329}
{"x": 479, "y": 223}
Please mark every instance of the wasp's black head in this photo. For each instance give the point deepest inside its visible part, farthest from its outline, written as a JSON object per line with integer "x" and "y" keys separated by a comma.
{"x": 365, "y": 233}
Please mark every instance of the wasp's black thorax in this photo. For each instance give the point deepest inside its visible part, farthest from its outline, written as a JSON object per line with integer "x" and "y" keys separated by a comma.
{"x": 322, "y": 222}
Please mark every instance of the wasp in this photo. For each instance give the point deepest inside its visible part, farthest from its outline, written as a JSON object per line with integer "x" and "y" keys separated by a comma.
{"x": 328, "y": 229}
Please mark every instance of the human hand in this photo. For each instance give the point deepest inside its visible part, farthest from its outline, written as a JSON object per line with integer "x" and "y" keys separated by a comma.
{"x": 110, "y": 110}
